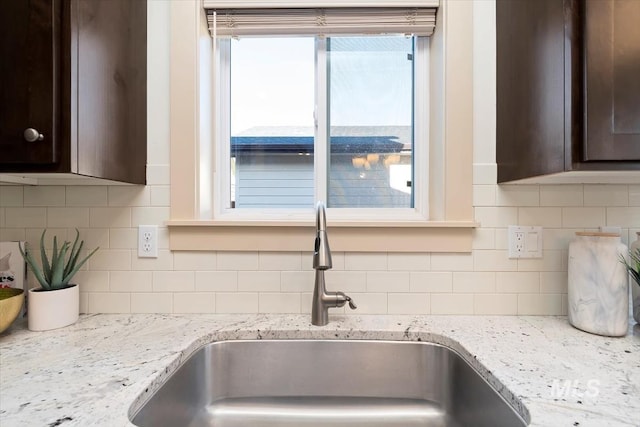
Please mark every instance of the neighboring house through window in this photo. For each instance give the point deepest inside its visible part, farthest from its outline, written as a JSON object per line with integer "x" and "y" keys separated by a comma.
{"x": 275, "y": 108}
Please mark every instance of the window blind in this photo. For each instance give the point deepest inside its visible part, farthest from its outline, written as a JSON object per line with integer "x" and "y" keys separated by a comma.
{"x": 323, "y": 21}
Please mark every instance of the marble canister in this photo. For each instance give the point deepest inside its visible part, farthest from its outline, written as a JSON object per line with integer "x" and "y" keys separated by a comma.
{"x": 635, "y": 287}
{"x": 598, "y": 284}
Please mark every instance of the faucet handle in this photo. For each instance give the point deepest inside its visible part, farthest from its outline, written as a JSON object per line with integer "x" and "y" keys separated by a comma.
{"x": 352, "y": 305}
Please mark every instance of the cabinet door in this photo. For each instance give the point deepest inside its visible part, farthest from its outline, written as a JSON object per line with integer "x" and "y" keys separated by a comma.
{"x": 30, "y": 34}
{"x": 612, "y": 85}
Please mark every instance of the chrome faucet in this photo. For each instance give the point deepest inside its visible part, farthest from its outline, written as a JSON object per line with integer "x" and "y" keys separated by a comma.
{"x": 322, "y": 299}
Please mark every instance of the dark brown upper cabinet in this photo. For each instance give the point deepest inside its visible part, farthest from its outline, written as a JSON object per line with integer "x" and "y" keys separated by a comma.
{"x": 73, "y": 88}
{"x": 568, "y": 86}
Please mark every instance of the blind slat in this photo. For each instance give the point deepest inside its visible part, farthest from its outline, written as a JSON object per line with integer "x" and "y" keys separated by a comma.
{"x": 329, "y": 21}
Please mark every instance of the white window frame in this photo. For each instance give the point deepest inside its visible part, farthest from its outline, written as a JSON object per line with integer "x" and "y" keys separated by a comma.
{"x": 450, "y": 224}
{"x": 420, "y": 150}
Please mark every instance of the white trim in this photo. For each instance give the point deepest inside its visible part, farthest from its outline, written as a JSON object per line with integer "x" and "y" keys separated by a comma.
{"x": 267, "y": 4}
{"x": 320, "y": 149}
{"x": 421, "y": 161}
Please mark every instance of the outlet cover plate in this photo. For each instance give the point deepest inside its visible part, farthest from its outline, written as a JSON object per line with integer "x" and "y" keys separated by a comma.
{"x": 148, "y": 241}
{"x": 525, "y": 241}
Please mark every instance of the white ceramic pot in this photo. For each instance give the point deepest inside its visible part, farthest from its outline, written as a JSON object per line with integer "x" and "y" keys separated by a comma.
{"x": 598, "y": 291}
{"x": 53, "y": 309}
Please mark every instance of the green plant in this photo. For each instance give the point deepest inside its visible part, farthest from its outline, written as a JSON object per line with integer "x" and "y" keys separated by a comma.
{"x": 63, "y": 265}
{"x": 633, "y": 265}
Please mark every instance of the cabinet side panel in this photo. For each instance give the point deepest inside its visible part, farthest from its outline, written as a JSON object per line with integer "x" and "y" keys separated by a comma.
{"x": 111, "y": 85}
{"x": 530, "y": 88}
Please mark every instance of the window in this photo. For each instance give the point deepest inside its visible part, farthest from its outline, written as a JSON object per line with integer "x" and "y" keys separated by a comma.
{"x": 434, "y": 218}
{"x": 320, "y": 119}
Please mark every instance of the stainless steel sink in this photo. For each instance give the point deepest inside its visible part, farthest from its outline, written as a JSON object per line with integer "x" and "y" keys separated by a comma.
{"x": 325, "y": 383}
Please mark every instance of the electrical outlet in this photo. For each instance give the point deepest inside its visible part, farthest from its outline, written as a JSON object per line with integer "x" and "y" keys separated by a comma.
{"x": 148, "y": 241}
{"x": 525, "y": 241}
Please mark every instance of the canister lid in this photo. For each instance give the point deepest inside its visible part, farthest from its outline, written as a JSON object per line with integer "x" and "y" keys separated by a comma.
{"x": 596, "y": 234}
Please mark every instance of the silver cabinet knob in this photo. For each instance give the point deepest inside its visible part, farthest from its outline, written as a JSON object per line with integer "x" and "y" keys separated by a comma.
{"x": 31, "y": 135}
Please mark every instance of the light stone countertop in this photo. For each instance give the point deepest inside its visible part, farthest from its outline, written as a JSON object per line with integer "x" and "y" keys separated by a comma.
{"x": 92, "y": 372}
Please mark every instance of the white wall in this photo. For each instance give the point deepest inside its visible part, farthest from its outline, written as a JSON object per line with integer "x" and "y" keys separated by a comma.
{"x": 482, "y": 282}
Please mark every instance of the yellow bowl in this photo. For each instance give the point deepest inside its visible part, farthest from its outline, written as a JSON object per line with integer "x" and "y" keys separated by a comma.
{"x": 11, "y": 300}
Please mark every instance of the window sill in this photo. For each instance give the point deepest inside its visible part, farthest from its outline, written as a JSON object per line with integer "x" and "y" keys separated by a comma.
{"x": 345, "y": 236}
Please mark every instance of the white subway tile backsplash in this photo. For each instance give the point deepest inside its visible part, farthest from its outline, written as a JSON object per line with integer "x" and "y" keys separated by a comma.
{"x": 544, "y": 217}
{"x": 484, "y": 195}
{"x": 606, "y": 195}
{"x": 11, "y": 234}
{"x": 517, "y": 195}
{"x": 125, "y": 195}
{"x": 144, "y": 302}
{"x": 149, "y": 216}
{"x": 11, "y": 196}
{"x": 109, "y": 302}
{"x": 408, "y": 303}
{"x": 46, "y": 195}
{"x": 92, "y": 281}
{"x": 484, "y": 238}
{"x": 69, "y": 217}
{"x": 237, "y": 303}
{"x": 163, "y": 262}
{"x": 160, "y": 195}
{"x": 25, "y": 217}
{"x": 297, "y": 281}
{"x": 365, "y": 261}
{"x": 485, "y": 173}
{"x": 558, "y": 238}
{"x": 474, "y": 282}
{"x": 495, "y": 217}
{"x": 387, "y": 281}
{"x": 84, "y": 303}
{"x": 346, "y": 281}
{"x": 110, "y": 217}
{"x": 258, "y": 281}
{"x": 369, "y": 303}
{"x": 130, "y": 281}
{"x": 561, "y": 195}
{"x": 279, "y": 302}
{"x": 452, "y": 304}
{"x": 90, "y": 195}
{"x": 173, "y": 281}
{"x": 634, "y": 195}
{"x": 540, "y": 304}
{"x": 587, "y": 217}
{"x": 123, "y": 238}
{"x": 624, "y": 217}
{"x": 158, "y": 175}
{"x": 408, "y": 261}
{"x": 553, "y": 282}
{"x": 550, "y": 261}
{"x": 517, "y": 282}
{"x": 451, "y": 262}
{"x": 279, "y": 261}
{"x": 195, "y": 260}
{"x": 194, "y": 302}
{"x": 495, "y": 304}
{"x": 487, "y": 260}
{"x": 110, "y": 259}
{"x": 431, "y": 282}
{"x": 217, "y": 281}
{"x": 237, "y": 260}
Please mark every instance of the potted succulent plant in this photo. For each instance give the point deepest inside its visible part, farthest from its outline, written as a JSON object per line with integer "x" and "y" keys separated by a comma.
{"x": 57, "y": 302}
{"x": 633, "y": 267}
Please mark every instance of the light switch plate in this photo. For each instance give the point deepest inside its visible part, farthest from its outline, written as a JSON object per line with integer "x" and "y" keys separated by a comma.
{"x": 525, "y": 241}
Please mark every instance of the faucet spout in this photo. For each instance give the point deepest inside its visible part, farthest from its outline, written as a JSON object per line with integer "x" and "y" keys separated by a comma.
{"x": 322, "y": 299}
{"x": 322, "y": 252}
